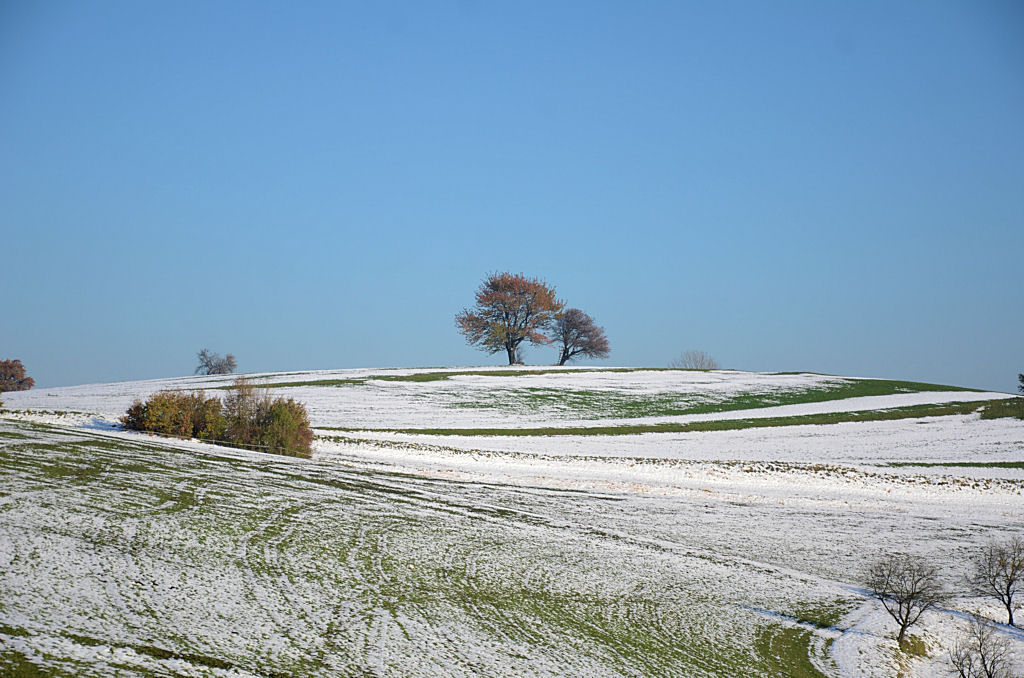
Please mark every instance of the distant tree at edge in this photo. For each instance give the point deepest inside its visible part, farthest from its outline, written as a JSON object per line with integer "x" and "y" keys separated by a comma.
{"x": 212, "y": 363}
{"x": 12, "y": 376}
{"x": 510, "y": 309}
{"x": 577, "y": 334}
{"x": 998, "y": 573}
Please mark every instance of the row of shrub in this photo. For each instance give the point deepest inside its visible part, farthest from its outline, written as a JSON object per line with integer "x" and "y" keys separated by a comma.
{"x": 248, "y": 418}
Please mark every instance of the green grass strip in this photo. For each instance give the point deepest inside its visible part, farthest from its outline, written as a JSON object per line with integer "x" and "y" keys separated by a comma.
{"x": 786, "y": 651}
{"x": 613, "y": 405}
{"x": 1007, "y": 407}
{"x": 909, "y": 412}
{"x": 963, "y": 464}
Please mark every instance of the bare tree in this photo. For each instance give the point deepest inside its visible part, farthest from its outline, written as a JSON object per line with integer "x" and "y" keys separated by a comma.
{"x": 207, "y": 360}
{"x": 212, "y": 363}
{"x": 12, "y": 376}
{"x": 907, "y": 587}
{"x": 999, "y": 573}
{"x": 980, "y": 652}
{"x": 694, "y": 360}
{"x": 1020, "y": 378}
{"x": 577, "y": 335}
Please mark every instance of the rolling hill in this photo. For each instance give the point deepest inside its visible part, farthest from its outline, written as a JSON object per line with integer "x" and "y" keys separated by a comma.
{"x": 502, "y": 522}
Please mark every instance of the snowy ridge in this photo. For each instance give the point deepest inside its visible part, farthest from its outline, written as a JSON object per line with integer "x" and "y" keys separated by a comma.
{"x": 478, "y": 400}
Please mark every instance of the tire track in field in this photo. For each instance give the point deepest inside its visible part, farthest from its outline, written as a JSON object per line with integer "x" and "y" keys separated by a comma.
{"x": 440, "y": 501}
{"x": 328, "y": 568}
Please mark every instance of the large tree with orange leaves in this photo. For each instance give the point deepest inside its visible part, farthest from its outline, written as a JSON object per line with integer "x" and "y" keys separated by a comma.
{"x": 12, "y": 376}
{"x": 510, "y": 309}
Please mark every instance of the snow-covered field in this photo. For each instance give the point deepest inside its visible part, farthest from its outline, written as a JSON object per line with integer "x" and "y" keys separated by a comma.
{"x": 726, "y": 553}
{"x": 471, "y": 398}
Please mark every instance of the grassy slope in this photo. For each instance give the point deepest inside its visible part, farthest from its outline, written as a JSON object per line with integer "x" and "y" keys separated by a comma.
{"x": 310, "y": 561}
{"x": 287, "y": 567}
{"x": 613, "y": 405}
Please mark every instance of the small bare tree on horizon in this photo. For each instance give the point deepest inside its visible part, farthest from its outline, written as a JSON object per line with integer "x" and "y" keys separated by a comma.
{"x": 694, "y": 360}
{"x": 907, "y": 586}
{"x": 212, "y": 363}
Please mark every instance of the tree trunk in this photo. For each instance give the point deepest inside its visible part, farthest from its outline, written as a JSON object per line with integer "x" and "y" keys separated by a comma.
{"x": 563, "y": 358}
{"x": 1009, "y": 611}
{"x": 899, "y": 638}
{"x": 511, "y": 353}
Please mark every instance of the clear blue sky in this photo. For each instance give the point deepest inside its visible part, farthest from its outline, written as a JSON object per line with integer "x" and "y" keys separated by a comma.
{"x": 826, "y": 186}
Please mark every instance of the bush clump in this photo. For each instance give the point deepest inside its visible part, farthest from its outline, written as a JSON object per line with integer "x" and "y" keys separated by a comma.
{"x": 284, "y": 425}
{"x": 248, "y": 418}
{"x": 176, "y": 413}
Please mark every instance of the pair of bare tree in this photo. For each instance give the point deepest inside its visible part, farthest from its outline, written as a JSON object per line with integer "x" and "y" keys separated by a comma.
{"x": 908, "y": 586}
{"x": 511, "y": 308}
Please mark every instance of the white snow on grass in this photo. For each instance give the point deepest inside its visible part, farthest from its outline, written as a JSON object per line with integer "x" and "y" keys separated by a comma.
{"x": 475, "y": 400}
{"x": 661, "y": 554}
{"x": 955, "y": 438}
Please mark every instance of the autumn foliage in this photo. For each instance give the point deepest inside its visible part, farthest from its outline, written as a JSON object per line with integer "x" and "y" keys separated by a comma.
{"x": 12, "y": 376}
{"x": 255, "y": 420}
{"x": 510, "y": 309}
{"x": 576, "y": 334}
{"x": 248, "y": 418}
{"x": 177, "y": 413}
